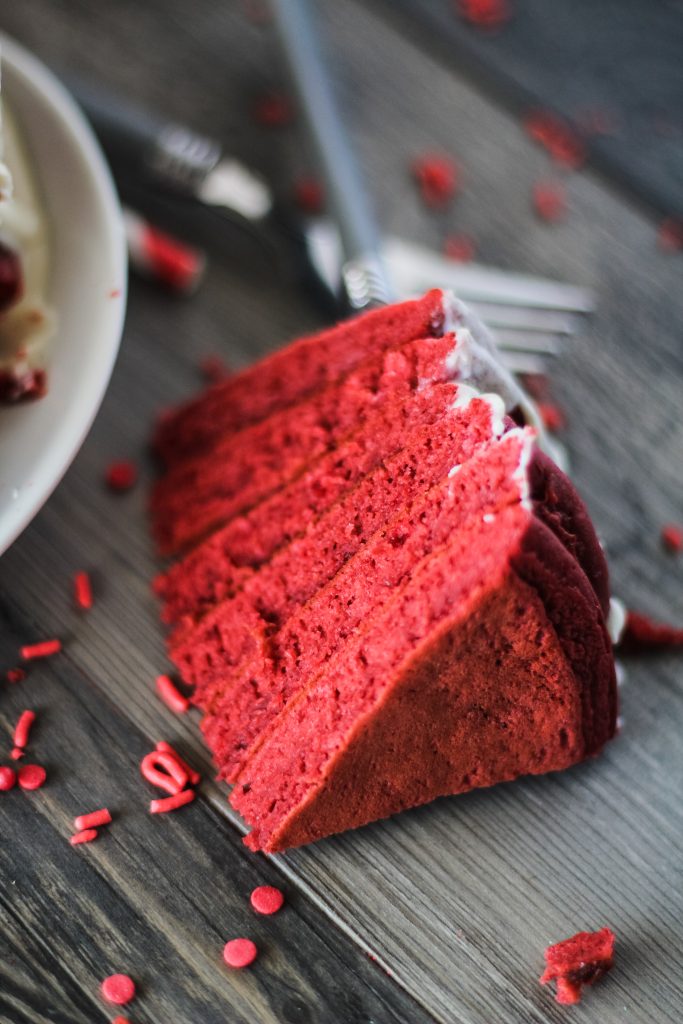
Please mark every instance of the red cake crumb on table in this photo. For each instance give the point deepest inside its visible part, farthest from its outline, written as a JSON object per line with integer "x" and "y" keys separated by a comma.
{"x": 487, "y": 14}
{"x": 672, "y": 537}
{"x": 437, "y": 176}
{"x": 460, "y": 248}
{"x": 172, "y": 803}
{"x": 8, "y": 778}
{"x": 308, "y": 195}
{"x": 560, "y": 141}
{"x": 31, "y": 776}
{"x": 82, "y": 590}
{"x": 581, "y": 960}
{"x": 40, "y": 650}
{"x": 273, "y": 110}
{"x": 86, "y": 835}
{"x": 15, "y": 675}
{"x": 642, "y": 633}
{"x": 92, "y": 820}
{"x": 118, "y": 989}
{"x": 670, "y": 236}
{"x": 550, "y": 201}
{"x": 171, "y": 695}
{"x": 121, "y": 475}
{"x": 266, "y": 899}
{"x": 240, "y": 952}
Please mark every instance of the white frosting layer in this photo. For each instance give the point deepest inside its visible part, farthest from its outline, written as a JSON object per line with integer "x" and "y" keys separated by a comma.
{"x": 616, "y": 619}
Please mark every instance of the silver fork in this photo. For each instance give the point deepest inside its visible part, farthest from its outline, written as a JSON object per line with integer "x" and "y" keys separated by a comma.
{"x": 529, "y": 316}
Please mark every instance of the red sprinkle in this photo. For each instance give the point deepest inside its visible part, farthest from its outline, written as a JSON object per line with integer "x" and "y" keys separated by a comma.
{"x": 240, "y": 952}
{"x": 309, "y": 195}
{"x": 15, "y": 675}
{"x": 214, "y": 369}
{"x": 488, "y": 14}
{"x": 17, "y": 752}
{"x": 581, "y": 960}
{"x": 171, "y": 695}
{"x": 552, "y": 416}
{"x": 172, "y": 778}
{"x": 642, "y": 634}
{"x": 92, "y": 820}
{"x": 166, "y": 748}
{"x": 85, "y": 836}
{"x": 120, "y": 1020}
{"x": 266, "y": 899}
{"x": 41, "y": 650}
{"x": 118, "y": 989}
{"x": 31, "y": 776}
{"x": 670, "y": 237}
{"x": 438, "y": 178}
{"x": 8, "y": 778}
{"x": 550, "y": 201}
{"x": 556, "y": 136}
{"x": 83, "y": 590}
{"x": 121, "y": 475}
{"x": 672, "y": 537}
{"x": 460, "y": 248}
{"x": 23, "y": 728}
{"x": 172, "y": 803}
{"x": 273, "y": 110}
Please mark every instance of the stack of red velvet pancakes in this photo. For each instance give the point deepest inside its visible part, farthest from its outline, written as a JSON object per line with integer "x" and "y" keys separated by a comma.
{"x": 384, "y": 590}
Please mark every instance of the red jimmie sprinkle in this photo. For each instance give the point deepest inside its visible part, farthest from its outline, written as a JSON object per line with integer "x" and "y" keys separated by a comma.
{"x": 85, "y": 836}
{"x": 17, "y": 752}
{"x": 118, "y": 989}
{"x": 552, "y": 416}
{"x": 173, "y": 263}
{"x": 460, "y": 248}
{"x": 643, "y": 634}
{"x": 121, "y": 475}
{"x": 550, "y": 201}
{"x": 120, "y": 1020}
{"x": 672, "y": 537}
{"x": 172, "y": 777}
{"x": 171, "y": 803}
{"x": 92, "y": 820}
{"x": 41, "y": 650}
{"x": 31, "y": 776}
{"x": 171, "y": 695}
{"x": 240, "y": 952}
{"x": 273, "y": 110}
{"x": 556, "y": 136}
{"x": 266, "y": 899}
{"x": 581, "y": 960}
{"x": 308, "y": 195}
{"x": 166, "y": 748}
{"x": 82, "y": 590}
{"x": 15, "y": 675}
{"x": 670, "y": 236}
{"x": 8, "y": 778}
{"x": 23, "y": 728}
{"x": 487, "y": 14}
{"x": 438, "y": 178}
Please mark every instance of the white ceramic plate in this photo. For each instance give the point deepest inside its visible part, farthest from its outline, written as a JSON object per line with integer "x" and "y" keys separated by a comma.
{"x": 87, "y": 289}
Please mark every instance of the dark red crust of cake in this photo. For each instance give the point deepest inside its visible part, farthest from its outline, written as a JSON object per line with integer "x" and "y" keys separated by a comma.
{"x": 290, "y": 373}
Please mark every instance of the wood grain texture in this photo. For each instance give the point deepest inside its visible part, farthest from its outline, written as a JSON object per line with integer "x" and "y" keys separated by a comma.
{"x": 457, "y": 899}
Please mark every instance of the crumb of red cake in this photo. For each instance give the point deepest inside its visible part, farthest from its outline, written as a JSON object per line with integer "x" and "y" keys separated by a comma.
{"x": 43, "y": 649}
{"x": 22, "y": 386}
{"x": 8, "y": 778}
{"x": 581, "y": 960}
{"x": 31, "y": 776}
{"x": 486, "y": 14}
{"x": 308, "y": 195}
{"x": 240, "y": 952}
{"x": 82, "y": 590}
{"x": 550, "y": 201}
{"x": 641, "y": 633}
{"x": 15, "y": 675}
{"x": 121, "y": 475}
{"x": 557, "y": 137}
{"x": 552, "y": 416}
{"x": 22, "y": 729}
{"x": 163, "y": 770}
{"x": 460, "y": 248}
{"x": 94, "y": 819}
{"x": 672, "y": 537}
{"x": 670, "y": 235}
{"x": 118, "y": 989}
{"x": 172, "y": 803}
{"x": 266, "y": 899}
{"x": 437, "y": 177}
{"x": 86, "y": 835}
{"x": 273, "y": 110}
{"x": 171, "y": 695}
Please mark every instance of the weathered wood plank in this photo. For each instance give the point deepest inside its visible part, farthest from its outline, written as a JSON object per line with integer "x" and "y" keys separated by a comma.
{"x": 459, "y": 898}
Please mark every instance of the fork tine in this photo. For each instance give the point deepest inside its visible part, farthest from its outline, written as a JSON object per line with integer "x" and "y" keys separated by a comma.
{"x": 521, "y": 341}
{"x": 544, "y": 321}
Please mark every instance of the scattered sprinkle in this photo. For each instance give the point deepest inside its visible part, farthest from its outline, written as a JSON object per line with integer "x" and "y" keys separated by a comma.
{"x": 214, "y": 369}
{"x": 171, "y": 695}
{"x": 166, "y": 748}
{"x": 557, "y": 137}
{"x": 487, "y": 14}
{"x": 552, "y": 416}
{"x": 266, "y": 899}
{"x": 120, "y": 1020}
{"x": 438, "y": 178}
{"x": 8, "y": 778}
{"x": 23, "y": 728}
{"x": 581, "y": 960}
{"x": 15, "y": 675}
{"x": 172, "y": 803}
{"x": 240, "y": 952}
{"x": 40, "y": 650}
{"x": 670, "y": 236}
{"x": 643, "y": 634}
{"x": 172, "y": 777}
{"x": 118, "y": 989}
{"x": 550, "y": 201}
{"x": 17, "y": 753}
{"x": 85, "y": 836}
{"x": 31, "y": 776}
{"x": 83, "y": 590}
{"x": 121, "y": 475}
{"x": 273, "y": 110}
{"x": 672, "y": 537}
{"x": 92, "y": 820}
{"x": 460, "y": 248}
{"x": 308, "y": 195}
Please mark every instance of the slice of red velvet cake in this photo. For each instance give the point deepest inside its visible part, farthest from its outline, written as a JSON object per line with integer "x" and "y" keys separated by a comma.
{"x": 394, "y": 594}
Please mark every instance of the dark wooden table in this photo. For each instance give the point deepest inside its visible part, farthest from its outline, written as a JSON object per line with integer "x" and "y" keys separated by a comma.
{"x": 443, "y": 913}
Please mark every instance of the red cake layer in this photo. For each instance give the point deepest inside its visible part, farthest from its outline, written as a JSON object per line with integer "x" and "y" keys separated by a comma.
{"x": 206, "y": 655}
{"x": 465, "y": 679}
{"x": 216, "y": 569}
{"x": 234, "y": 473}
{"x": 287, "y": 375}
{"x": 485, "y": 484}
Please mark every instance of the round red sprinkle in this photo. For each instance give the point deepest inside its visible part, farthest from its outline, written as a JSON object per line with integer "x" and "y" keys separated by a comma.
{"x": 8, "y": 778}
{"x": 31, "y": 776}
{"x": 672, "y": 537}
{"x": 83, "y": 590}
{"x": 266, "y": 899}
{"x": 308, "y": 195}
{"x": 85, "y": 836}
{"x": 438, "y": 178}
{"x": 121, "y": 475}
{"x": 15, "y": 675}
{"x": 171, "y": 695}
{"x": 550, "y": 201}
{"x": 118, "y": 989}
{"x": 240, "y": 952}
